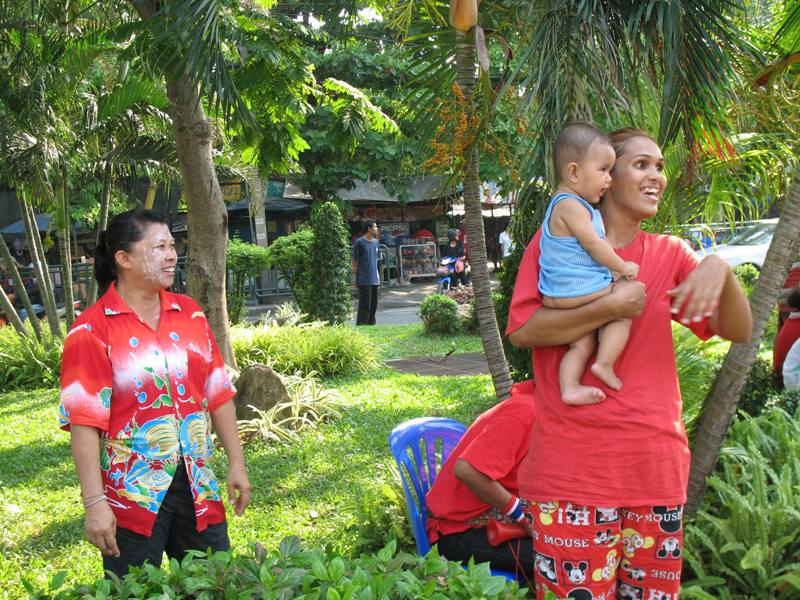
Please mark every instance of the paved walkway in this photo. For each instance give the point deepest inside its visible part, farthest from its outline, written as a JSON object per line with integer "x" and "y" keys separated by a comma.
{"x": 473, "y": 363}
{"x": 396, "y": 305}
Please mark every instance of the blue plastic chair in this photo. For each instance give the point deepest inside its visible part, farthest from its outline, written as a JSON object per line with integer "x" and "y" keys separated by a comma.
{"x": 435, "y": 437}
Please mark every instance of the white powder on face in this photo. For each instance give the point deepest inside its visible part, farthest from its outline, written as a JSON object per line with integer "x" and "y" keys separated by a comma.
{"x": 156, "y": 247}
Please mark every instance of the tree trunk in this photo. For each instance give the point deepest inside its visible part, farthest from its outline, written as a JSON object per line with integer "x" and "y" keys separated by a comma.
{"x": 208, "y": 219}
{"x": 65, "y": 247}
{"x": 481, "y": 284}
{"x": 40, "y": 270}
{"x": 720, "y": 405}
{"x": 102, "y": 223}
{"x": 11, "y": 314}
{"x": 19, "y": 288}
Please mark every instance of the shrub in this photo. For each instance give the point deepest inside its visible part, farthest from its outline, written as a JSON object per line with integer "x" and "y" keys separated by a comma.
{"x": 747, "y": 275}
{"x": 26, "y": 362}
{"x": 759, "y": 388}
{"x": 283, "y": 314}
{"x": 243, "y": 259}
{"x": 697, "y": 365}
{"x": 786, "y": 400}
{"x": 519, "y": 359}
{"x": 745, "y": 541}
{"x": 310, "y": 404}
{"x": 378, "y": 515}
{"x": 292, "y": 572}
{"x": 439, "y": 314}
{"x": 308, "y": 348}
{"x": 331, "y": 267}
{"x": 291, "y": 256}
{"x": 469, "y": 321}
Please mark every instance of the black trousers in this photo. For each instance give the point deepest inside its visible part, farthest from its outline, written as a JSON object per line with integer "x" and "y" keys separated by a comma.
{"x": 456, "y": 278}
{"x": 474, "y": 543}
{"x": 174, "y": 532}
{"x": 367, "y": 304}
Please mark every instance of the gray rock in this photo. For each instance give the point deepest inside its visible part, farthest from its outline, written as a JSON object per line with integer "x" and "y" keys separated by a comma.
{"x": 260, "y": 386}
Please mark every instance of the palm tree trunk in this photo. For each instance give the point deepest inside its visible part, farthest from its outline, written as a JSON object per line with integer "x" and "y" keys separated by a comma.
{"x": 102, "y": 223}
{"x": 11, "y": 314}
{"x": 208, "y": 219}
{"x": 720, "y": 405}
{"x": 19, "y": 288}
{"x": 490, "y": 334}
{"x": 41, "y": 272}
{"x": 64, "y": 247}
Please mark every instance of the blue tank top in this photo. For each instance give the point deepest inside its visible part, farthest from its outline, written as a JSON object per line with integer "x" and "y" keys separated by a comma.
{"x": 566, "y": 270}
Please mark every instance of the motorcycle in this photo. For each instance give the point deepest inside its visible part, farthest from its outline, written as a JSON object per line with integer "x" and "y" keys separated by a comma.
{"x": 447, "y": 268}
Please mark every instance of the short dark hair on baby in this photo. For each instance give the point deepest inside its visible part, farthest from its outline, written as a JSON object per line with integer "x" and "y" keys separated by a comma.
{"x": 573, "y": 142}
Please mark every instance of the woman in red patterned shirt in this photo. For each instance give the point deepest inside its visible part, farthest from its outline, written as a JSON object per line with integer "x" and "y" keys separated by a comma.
{"x": 141, "y": 381}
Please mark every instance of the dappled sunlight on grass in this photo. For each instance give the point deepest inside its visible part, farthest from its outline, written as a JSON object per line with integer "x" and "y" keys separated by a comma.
{"x": 411, "y": 341}
{"x": 314, "y": 488}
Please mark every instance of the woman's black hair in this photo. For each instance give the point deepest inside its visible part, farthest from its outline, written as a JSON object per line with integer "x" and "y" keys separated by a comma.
{"x": 123, "y": 231}
{"x": 793, "y": 300}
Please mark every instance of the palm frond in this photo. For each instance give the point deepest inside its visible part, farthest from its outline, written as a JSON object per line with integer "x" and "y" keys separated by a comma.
{"x": 193, "y": 39}
{"x": 788, "y": 34}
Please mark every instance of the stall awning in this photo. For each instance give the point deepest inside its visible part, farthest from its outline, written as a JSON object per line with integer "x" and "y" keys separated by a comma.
{"x": 17, "y": 228}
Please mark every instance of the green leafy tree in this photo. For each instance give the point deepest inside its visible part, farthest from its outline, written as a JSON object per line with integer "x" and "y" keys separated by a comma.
{"x": 292, "y": 256}
{"x": 773, "y": 109}
{"x": 244, "y": 260}
{"x": 331, "y": 266}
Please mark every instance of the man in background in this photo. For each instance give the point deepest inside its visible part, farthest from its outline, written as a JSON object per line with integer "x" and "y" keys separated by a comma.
{"x": 365, "y": 263}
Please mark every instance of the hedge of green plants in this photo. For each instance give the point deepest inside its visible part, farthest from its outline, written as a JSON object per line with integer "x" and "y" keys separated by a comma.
{"x": 745, "y": 540}
{"x": 326, "y": 350}
{"x": 292, "y": 572}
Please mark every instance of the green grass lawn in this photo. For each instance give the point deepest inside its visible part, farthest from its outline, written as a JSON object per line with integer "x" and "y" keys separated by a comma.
{"x": 410, "y": 341}
{"x": 333, "y": 488}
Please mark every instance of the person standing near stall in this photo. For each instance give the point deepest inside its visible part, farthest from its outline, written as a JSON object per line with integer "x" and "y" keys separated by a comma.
{"x": 141, "y": 379}
{"x": 365, "y": 262}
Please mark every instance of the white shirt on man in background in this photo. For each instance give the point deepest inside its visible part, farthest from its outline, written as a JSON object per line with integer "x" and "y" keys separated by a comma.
{"x": 791, "y": 368}
{"x": 506, "y": 244}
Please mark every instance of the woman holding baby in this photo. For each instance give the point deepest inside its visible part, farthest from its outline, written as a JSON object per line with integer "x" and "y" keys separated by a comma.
{"x": 606, "y": 478}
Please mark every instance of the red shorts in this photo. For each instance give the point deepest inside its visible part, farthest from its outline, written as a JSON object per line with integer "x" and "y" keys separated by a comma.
{"x": 597, "y": 553}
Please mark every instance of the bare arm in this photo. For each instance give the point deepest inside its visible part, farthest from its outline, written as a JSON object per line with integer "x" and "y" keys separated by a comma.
{"x": 224, "y": 421}
{"x": 574, "y": 218}
{"x": 485, "y": 488}
{"x": 711, "y": 290}
{"x": 557, "y": 326}
{"x": 100, "y": 524}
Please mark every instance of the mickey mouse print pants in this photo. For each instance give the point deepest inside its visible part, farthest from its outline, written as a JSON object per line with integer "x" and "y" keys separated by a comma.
{"x": 597, "y": 553}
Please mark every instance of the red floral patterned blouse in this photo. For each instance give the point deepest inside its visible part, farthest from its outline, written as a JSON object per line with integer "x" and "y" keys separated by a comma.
{"x": 150, "y": 393}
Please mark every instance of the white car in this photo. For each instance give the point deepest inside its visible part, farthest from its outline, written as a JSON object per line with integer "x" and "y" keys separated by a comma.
{"x": 748, "y": 246}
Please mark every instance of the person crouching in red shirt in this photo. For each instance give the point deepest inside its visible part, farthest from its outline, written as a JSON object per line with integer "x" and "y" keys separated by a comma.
{"x": 478, "y": 481}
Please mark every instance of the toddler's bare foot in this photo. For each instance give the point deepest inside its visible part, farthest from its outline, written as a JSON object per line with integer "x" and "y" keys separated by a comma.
{"x": 607, "y": 376}
{"x": 582, "y": 394}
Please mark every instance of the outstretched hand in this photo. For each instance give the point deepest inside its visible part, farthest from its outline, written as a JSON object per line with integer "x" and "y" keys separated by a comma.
{"x": 699, "y": 294}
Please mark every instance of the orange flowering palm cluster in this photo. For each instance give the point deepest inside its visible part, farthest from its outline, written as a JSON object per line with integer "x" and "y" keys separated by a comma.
{"x": 455, "y": 134}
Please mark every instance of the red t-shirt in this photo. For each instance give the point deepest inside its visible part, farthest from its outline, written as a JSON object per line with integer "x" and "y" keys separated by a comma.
{"x": 495, "y": 445}
{"x": 149, "y": 393}
{"x": 631, "y": 449}
{"x": 787, "y": 335}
